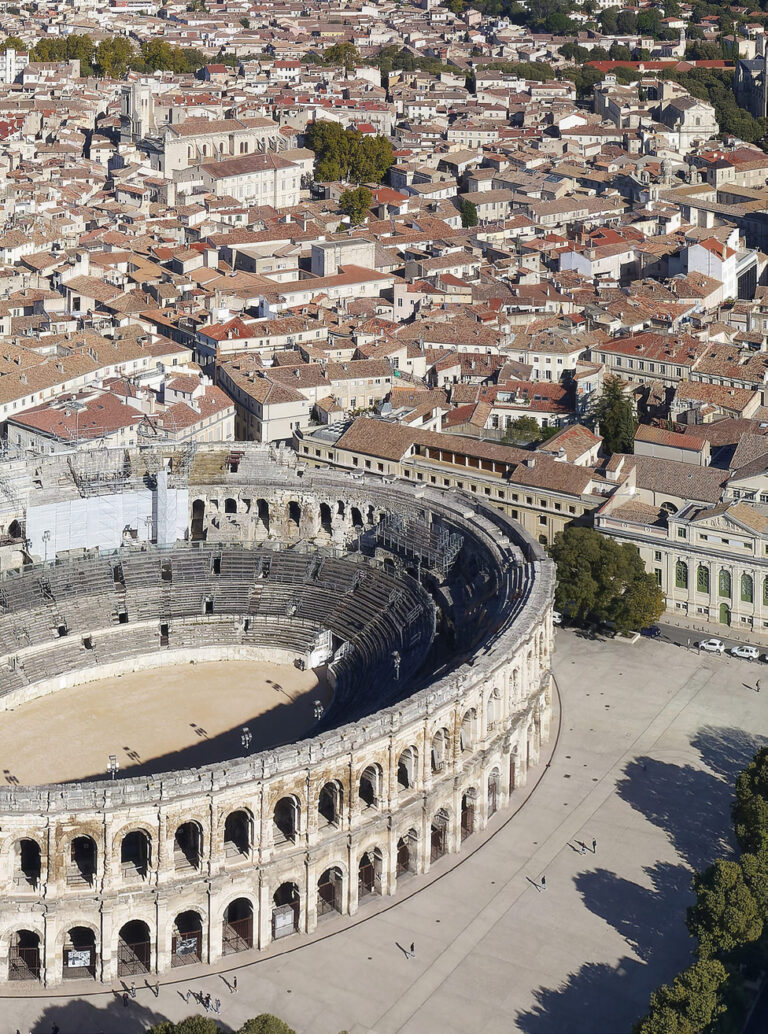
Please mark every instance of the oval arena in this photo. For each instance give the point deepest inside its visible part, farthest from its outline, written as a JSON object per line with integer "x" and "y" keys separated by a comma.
{"x": 427, "y": 615}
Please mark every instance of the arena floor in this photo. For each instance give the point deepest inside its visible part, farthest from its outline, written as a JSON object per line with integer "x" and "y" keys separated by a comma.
{"x": 156, "y": 720}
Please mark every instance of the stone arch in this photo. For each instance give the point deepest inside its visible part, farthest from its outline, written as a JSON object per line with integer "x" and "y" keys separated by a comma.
{"x": 326, "y": 519}
{"x": 438, "y": 834}
{"x": 468, "y": 803}
{"x": 440, "y": 750}
{"x": 238, "y": 833}
{"x": 357, "y": 517}
{"x": 24, "y": 953}
{"x": 197, "y": 527}
{"x": 407, "y": 848}
{"x": 294, "y": 513}
{"x": 341, "y": 509}
{"x": 187, "y": 937}
{"x": 230, "y": 505}
{"x": 79, "y": 952}
{"x": 135, "y": 853}
{"x": 286, "y": 819}
{"x": 134, "y": 948}
{"x": 188, "y": 845}
{"x": 702, "y": 578}
{"x": 408, "y": 768}
{"x": 747, "y": 588}
{"x": 681, "y": 574}
{"x": 26, "y": 862}
{"x": 237, "y": 926}
{"x": 262, "y": 511}
{"x": 370, "y": 872}
{"x": 469, "y": 732}
{"x": 15, "y": 530}
{"x": 493, "y": 710}
{"x": 82, "y": 859}
{"x": 494, "y": 791}
{"x": 330, "y": 891}
{"x": 286, "y": 909}
{"x": 370, "y": 786}
{"x": 330, "y": 804}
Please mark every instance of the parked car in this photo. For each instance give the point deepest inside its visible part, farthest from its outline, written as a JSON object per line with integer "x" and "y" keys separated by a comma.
{"x": 652, "y": 632}
{"x": 749, "y": 653}
{"x": 712, "y": 646}
{"x": 557, "y": 617}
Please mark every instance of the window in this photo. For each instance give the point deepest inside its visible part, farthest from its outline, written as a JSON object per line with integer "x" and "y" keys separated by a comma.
{"x": 702, "y": 579}
{"x": 765, "y": 591}
{"x": 681, "y": 533}
{"x": 657, "y": 556}
{"x": 542, "y": 519}
{"x": 724, "y": 583}
{"x": 657, "y": 572}
{"x": 747, "y": 588}
{"x": 681, "y": 574}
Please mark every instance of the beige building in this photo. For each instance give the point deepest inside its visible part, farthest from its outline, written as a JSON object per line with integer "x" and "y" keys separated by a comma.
{"x": 197, "y": 139}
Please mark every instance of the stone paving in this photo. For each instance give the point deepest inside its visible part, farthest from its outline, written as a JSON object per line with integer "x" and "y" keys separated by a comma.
{"x": 651, "y": 738}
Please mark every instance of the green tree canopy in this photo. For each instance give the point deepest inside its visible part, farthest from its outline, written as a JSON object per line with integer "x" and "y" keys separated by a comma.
{"x": 750, "y": 812}
{"x": 345, "y": 54}
{"x": 191, "y": 1025}
{"x": 356, "y": 204}
{"x": 266, "y": 1024}
{"x": 345, "y": 154}
{"x": 468, "y": 213}
{"x": 13, "y": 43}
{"x": 725, "y": 915}
{"x": 690, "y": 1003}
{"x": 601, "y": 580}
{"x": 113, "y": 57}
{"x": 614, "y": 413}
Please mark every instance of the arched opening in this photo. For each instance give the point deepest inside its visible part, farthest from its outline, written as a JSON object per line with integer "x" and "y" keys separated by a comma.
{"x": 79, "y": 954}
{"x": 187, "y": 939}
{"x": 187, "y": 846}
{"x": 230, "y": 505}
{"x": 468, "y": 814}
{"x": 237, "y": 933}
{"x": 340, "y": 509}
{"x": 24, "y": 956}
{"x": 262, "y": 508}
{"x": 371, "y": 516}
{"x": 439, "y": 751}
{"x": 370, "y": 787}
{"x": 468, "y": 734}
{"x": 134, "y": 949}
{"x": 26, "y": 863}
{"x": 135, "y": 854}
{"x": 326, "y": 518}
{"x": 285, "y": 914}
{"x": 747, "y": 589}
{"x": 702, "y": 579}
{"x": 725, "y": 614}
{"x": 329, "y": 805}
{"x": 369, "y": 874}
{"x": 329, "y": 891}
{"x": 494, "y": 790}
{"x": 357, "y": 518}
{"x": 724, "y": 583}
{"x": 406, "y": 853}
{"x": 681, "y": 574}
{"x": 438, "y": 833}
{"x": 197, "y": 528}
{"x": 82, "y": 861}
{"x": 294, "y": 513}
{"x": 286, "y": 820}
{"x": 237, "y": 834}
{"x": 407, "y": 768}
{"x": 494, "y": 710}
{"x": 14, "y": 530}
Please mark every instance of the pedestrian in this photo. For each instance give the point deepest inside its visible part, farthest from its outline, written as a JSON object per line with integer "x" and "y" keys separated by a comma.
{"x": 234, "y": 984}
{"x": 157, "y": 989}
{"x": 189, "y": 995}
{"x": 125, "y": 1000}
{"x": 55, "y": 1028}
{"x": 207, "y": 1002}
{"x": 583, "y": 848}
{"x": 594, "y": 846}
{"x": 413, "y": 949}
{"x": 133, "y": 990}
{"x": 757, "y": 687}
{"x": 543, "y": 882}
{"x": 217, "y": 1006}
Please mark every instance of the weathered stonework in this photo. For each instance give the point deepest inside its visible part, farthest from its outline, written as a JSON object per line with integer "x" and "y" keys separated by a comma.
{"x": 216, "y": 852}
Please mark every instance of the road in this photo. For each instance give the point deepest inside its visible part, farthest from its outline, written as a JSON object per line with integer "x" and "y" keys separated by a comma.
{"x": 687, "y": 637}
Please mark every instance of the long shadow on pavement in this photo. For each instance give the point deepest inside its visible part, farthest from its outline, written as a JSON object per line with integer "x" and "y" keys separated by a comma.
{"x": 79, "y": 1016}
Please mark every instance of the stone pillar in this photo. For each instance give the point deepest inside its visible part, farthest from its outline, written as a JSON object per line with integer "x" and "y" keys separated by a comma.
{"x": 50, "y": 958}
{"x": 265, "y": 913}
{"x": 107, "y": 967}
{"x": 163, "y": 936}
{"x": 310, "y": 896}
{"x": 352, "y": 856}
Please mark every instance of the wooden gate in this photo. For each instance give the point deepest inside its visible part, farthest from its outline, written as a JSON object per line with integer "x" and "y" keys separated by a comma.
{"x": 366, "y": 879}
{"x": 467, "y": 820}
{"x": 329, "y": 895}
{"x": 133, "y": 959}
{"x": 237, "y": 935}
{"x": 24, "y": 963}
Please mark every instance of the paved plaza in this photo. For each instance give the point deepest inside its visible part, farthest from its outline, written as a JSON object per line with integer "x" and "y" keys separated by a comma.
{"x": 651, "y": 737}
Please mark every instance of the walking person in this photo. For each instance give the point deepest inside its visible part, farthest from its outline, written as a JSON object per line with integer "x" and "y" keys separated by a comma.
{"x": 594, "y": 846}
{"x": 413, "y": 949}
{"x": 217, "y": 1006}
{"x": 583, "y": 848}
{"x": 133, "y": 990}
{"x": 543, "y": 883}
{"x": 126, "y": 999}
{"x": 207, "y": 1002}
{"x": 757, "y": 686}
{"x": 234, "y": 984}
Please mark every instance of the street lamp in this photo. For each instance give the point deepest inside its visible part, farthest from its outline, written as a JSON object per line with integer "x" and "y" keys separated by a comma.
{"x": 46, "y": 540}
{"x": 113, "y": 766}
{"x": 245, "y": 738}
{"x": 318, "y": 710}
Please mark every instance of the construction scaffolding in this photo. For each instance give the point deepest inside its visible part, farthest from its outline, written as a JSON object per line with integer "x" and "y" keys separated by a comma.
{"x": 413, "y": 537}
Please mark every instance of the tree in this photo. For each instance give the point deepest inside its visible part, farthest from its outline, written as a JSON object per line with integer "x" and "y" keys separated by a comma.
{"x": 755, "y": 869}
{"x": 113, "y": 57}
{"x": 13, "y": 43}
{"x": 266, "y": 1023}
{"x": 601, "y": 580}
{"x": 614, "y": 413}
{"x": 356, "y": 204}
{"x": 725, "y": 915}
{"x": 689, "y": 1004}
{"x": 345, "y": 154}
{"x": 750, "y": 812}
{"x": 345, "y": 54}
{"x": 191, "y": 1025}
{"x": 523, "y": 429}
{"x": 245, "y": 22}
{"x": 468, "y": 213}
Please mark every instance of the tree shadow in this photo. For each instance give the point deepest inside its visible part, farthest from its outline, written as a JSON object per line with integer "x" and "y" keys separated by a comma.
{"x": 727, "y": 752}
{"x": 81, "y": 1016}
{"x": 642, "y": 915}
{"x": 599, "y": 999}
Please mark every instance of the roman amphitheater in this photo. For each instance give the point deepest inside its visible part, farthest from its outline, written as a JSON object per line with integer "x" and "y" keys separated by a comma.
{"x": 421, "y": 622}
